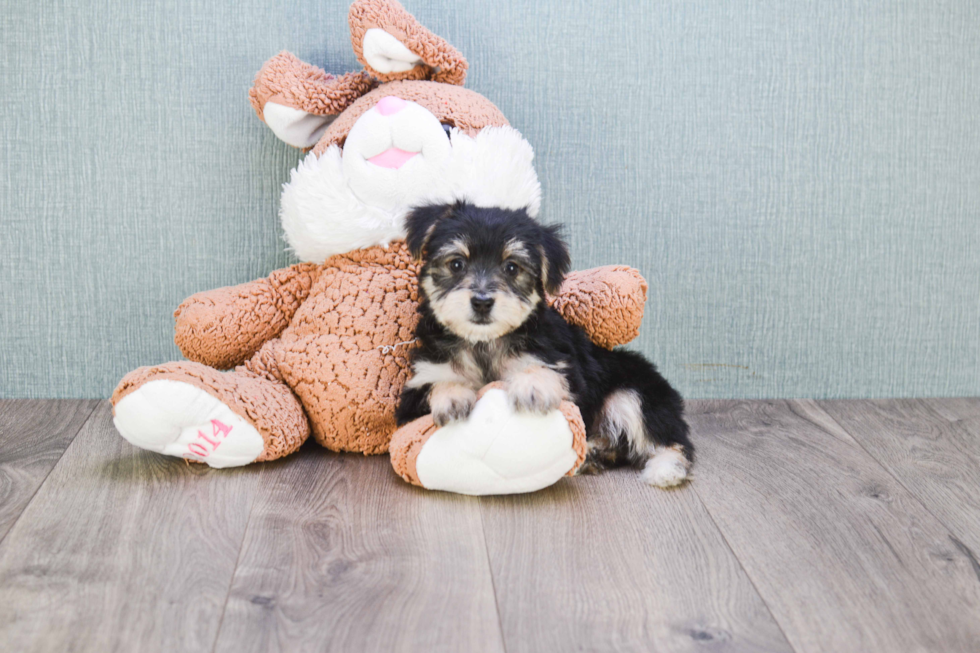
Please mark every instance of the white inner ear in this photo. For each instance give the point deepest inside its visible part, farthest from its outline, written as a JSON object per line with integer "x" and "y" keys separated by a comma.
{"x": 295, "y": 127}
{"x": 386, "y": 54}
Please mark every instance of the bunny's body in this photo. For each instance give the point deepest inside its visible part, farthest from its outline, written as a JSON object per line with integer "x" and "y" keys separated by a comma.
{"x": 322, "y": 346}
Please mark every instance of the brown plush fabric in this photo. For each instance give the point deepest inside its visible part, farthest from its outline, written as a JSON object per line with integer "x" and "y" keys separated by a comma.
{"x": 455, "y": 105}
{"x": 406, "y": 445}
{"x": 269, "y": 406}
{"x": 224, "y": 326}
{"x": 264, "y": 363}
{"x": 346, "y": 352}
{"x": 607, "y": 302}
{"x": 286, "y": 80}
{"x": 575, "y": 423}
{"x": 441, "y": 61}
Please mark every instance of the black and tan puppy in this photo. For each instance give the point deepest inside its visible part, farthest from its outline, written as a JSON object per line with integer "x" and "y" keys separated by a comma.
{"x": 483, "y": 318}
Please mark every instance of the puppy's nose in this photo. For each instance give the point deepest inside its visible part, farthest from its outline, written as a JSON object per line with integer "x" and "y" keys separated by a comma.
{"x": 390, "y": 105}
{"x": 481, "y": 304}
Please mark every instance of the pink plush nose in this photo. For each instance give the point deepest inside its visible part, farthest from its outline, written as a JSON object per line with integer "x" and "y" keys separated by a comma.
{"x": 390, "y": 105}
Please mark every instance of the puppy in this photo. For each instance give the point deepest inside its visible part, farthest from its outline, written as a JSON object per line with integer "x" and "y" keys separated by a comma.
{"x": 483, "y": 317}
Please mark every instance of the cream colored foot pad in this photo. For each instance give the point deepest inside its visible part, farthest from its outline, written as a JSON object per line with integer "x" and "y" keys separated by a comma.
{"x": 497, "y": 451}
{"x": 179, "y": 419}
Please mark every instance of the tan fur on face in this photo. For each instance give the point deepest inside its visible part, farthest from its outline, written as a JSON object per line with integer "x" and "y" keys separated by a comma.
{"x": 515, "y": 248}
{"x": 450, "y": 402}
{"x": 453, "y": 310}
{"x": 456, "y": 247}
{"x": 533, "y": 386}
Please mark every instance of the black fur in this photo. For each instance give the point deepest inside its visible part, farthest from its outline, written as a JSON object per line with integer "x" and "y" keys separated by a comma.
{"x": 592, "y": 373}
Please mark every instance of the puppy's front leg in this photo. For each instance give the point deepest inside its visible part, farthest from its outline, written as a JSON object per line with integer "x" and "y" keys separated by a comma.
{"x": 450, "y": 402}
{"x": 536, "y": 389}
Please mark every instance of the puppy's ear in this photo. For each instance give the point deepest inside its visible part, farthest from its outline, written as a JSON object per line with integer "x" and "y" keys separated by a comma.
{"x": 420, "y": 224}
{"x": 555, "y": 259}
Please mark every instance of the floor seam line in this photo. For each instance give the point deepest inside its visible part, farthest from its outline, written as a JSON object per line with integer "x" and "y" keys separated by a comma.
{"x": 493, "y": 583}
{"x": 745, "y": 571}
{"x": 741, "y": 565}
{"x": 234, "y": 572}
{"x": 87, "y": 419}
{"x": 915, "y": 497}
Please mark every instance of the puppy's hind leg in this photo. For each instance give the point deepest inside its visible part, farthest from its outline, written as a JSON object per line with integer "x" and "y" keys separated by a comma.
{"x": 669, "y": 453}
{"x": 652, "y": 436}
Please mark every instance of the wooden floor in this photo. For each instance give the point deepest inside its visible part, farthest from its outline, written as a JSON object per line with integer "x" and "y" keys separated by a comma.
{"x": 809, "y": 526}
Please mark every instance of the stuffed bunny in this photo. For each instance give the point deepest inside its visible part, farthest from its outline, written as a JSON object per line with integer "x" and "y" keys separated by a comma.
{"x": 322, "y": 345}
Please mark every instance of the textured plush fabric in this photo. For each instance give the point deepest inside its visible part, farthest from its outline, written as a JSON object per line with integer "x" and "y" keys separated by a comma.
{"x": 268, "y": 405}
{"x": 406, "y": 445}
{"x": 619, "y": 289}
{"x": 225, "y": 326}
{"x": 797, "y": 181}
{"x": 345, "y": 353}
{"x": 286, "y": 80}
{"x": 443, "y": 63}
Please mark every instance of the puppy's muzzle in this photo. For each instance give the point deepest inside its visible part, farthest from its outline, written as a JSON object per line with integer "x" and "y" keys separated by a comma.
{"x": 482, "y": 305}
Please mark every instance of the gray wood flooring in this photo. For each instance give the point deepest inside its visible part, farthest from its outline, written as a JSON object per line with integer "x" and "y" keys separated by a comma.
{"x": 809, "y": 526}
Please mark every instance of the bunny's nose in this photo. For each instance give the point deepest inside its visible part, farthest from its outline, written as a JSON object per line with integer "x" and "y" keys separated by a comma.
{"x": 390, "y": 105}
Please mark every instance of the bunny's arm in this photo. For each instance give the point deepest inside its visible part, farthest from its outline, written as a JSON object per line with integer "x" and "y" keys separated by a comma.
{"x": 607, "y": 302}
{"x": 225, "y": 326}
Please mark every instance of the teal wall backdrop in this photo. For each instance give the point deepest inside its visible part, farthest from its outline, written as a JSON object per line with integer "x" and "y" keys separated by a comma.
{"x": 799, "y": 181}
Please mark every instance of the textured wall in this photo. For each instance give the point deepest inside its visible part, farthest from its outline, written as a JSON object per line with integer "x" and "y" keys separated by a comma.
{"x": 799, "y": 181}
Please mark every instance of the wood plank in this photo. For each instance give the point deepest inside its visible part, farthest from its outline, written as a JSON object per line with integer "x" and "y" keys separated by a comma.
{"x": 931, "y": 446}
{"x": 956, "y": 409}
{"x": 602, "y": 563}
{"x": 122, "y": 549}
{"x": 33, "y": 435}
{"x": 844, "y": 556}
{"x": 341, "y": 555}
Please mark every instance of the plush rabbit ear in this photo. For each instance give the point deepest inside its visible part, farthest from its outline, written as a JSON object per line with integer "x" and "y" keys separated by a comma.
{"x": 298, "y": 101}
{"x": 392, "y": 45}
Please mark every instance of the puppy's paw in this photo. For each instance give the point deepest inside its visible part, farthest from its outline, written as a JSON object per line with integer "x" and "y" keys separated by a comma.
{"x": 600, "y": 455}
{"x": 589, "y": 468}
{"x": 450, "y": 403}
{"x": 540, "y": 391}
{"x": 667, "y": 468}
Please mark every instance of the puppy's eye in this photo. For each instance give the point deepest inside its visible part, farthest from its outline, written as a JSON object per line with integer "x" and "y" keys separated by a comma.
{"x": 511, "y": 269}
{"x": 457, "y": 265}
{"x": 448, "y": 128}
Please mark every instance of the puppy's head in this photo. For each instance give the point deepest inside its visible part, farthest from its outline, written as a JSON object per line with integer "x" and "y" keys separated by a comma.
{"x": 485, "y": 270}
